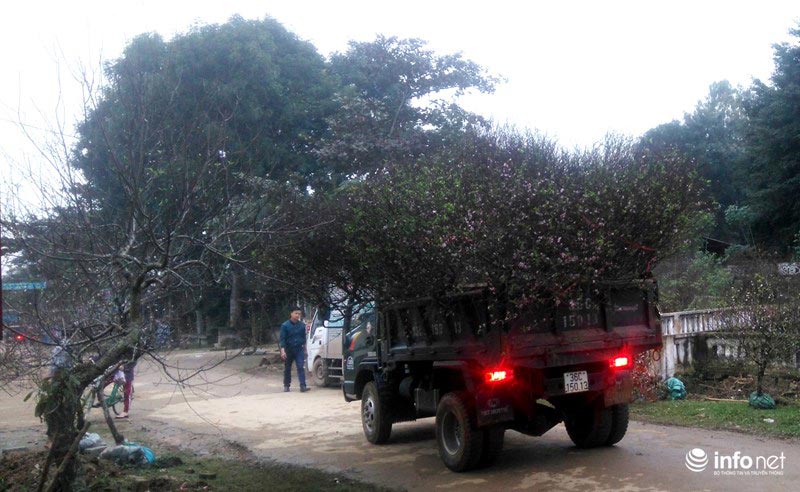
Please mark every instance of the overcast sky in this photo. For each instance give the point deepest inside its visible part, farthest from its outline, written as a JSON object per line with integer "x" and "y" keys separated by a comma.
{"x": 574, "y": 69}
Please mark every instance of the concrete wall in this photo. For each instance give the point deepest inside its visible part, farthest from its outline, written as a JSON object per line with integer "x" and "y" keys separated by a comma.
{"x": 690, "y": 334}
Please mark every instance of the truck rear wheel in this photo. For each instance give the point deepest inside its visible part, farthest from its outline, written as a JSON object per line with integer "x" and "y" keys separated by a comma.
{"x": 590, "y": 426}
{"x": 493, "y": 439}
{"x": 320, "y": 372}
{"x": 376, "y": 418}
{"x": 460, "y": 442}
{"x": 619, "y": 424}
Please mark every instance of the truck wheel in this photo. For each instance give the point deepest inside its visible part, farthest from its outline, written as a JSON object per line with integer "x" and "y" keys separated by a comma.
{"x": 619, "y": 424}
{"x": 493, "y": 438}
{"x": 460, "y": 442}
{"x": 320, "y": 372}
{"x": 376, "y": 418}
{"x": 590, "y": 426}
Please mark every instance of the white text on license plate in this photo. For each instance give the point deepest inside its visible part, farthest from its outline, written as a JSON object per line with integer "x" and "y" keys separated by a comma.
{"x": 575, "y": 382}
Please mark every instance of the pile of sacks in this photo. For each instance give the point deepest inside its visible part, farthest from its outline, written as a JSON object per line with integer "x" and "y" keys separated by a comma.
{"x": 127, "y": 453}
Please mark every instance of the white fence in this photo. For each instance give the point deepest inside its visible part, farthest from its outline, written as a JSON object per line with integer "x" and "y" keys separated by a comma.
{"x": 682, "y": 331}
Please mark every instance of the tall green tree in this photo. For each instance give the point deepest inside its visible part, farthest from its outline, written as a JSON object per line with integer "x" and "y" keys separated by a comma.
{"x": 774, "y": 150}
{"x": 261, "y": 92}
{"x": 713, "y": 137}
{"x": 397, "y": 101}
{"x": 181, "y": 163}
{"x": 255, "y": 90}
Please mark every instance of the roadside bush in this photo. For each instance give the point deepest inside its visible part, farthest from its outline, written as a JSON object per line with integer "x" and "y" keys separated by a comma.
{"x": 734, "y": 379}
{"x": 647, "y": 384}
{"x": 698, "y": 282}
{"x": 765, "y": 324}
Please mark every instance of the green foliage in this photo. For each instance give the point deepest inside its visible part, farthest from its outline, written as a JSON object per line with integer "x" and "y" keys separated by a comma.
{"x": 401, "y": 70}
{"x": 189, "y": 148}
{"x": 393, "y": 104}
{"x": 741, "y": 219}
{"x": 796, "y": 249}
{"x": 63, "y": 389}
{"x": 774, "y": 150}
{"x": 712, "y": 136}
{"x": 249, "y": 89}
{"x": 701, "y": 282}
{"x": 746, "y": 144}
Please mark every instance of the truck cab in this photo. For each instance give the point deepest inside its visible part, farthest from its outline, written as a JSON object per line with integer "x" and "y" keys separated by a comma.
{"x": 324, "y": 346}
{"x": 358, "y": 348}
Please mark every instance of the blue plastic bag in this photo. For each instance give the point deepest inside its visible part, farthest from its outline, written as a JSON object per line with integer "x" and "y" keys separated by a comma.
{"x": 677, "y": 390}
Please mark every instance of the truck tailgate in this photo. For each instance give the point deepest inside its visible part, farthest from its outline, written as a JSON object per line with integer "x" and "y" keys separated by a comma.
{"x": 588, "y": 321}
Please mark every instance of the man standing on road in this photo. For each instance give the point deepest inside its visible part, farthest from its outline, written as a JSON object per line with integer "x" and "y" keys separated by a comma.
{"x": 293, "y": 349}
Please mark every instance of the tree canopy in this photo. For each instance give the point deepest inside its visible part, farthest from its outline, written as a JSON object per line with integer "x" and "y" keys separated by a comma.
{"x": 746, "y": 144}
{"x": 506, "y": 210}
{"x": 774, "y": 149}
{"x": 712, "y": 136}
{"x": 252, "y": 87}
{"x": 396, "y": 102}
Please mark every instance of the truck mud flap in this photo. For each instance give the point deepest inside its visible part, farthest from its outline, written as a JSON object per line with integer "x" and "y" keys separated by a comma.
{"x": 426, "y": 402}
{"x": 493, "y": 408}
{"x": 621, "y": 391}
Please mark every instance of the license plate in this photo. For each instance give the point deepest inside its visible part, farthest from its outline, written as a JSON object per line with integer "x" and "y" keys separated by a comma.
{"x": 575, "y": 382}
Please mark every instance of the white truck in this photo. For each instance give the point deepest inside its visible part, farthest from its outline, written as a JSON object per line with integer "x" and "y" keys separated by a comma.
{"x": 324, "y": 346}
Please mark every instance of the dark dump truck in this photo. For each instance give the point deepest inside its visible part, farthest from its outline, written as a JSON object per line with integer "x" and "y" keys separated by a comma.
{"x": 480, "y": 372}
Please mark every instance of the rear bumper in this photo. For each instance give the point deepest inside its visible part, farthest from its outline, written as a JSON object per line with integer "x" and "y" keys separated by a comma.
{"x": 617, "y": 382}
{"x": 518, "y": 402}
{"x": 615, "y": 387}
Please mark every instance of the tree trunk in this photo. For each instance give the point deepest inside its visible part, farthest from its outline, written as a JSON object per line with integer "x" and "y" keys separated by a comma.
{"x": 61, "y": 408}
{"x": 199, "y": 326}
{"x": 762, "y": 368}
{"x": 118, "y": 438}
{"x": 61, "y": 412}
{"x": 68, "y": 461}
{"x": 255, "y": 339}
{"x": 235, "y": 307}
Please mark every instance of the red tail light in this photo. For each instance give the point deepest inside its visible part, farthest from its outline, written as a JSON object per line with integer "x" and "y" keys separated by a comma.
{"x": 499, "y": 375}
{"x": 621, "y": 362}
{"x": 19, "y": 338}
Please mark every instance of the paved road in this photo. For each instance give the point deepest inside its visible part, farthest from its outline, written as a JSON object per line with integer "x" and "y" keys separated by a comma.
{"x": 237, "y": 401}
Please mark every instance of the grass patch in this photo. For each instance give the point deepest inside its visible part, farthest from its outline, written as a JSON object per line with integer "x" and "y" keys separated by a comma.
{"x": 184, "y": 471}
{"x": 221, "y": 465}
{"x": 722, "y": 415}
{"x": 179, "y": 471}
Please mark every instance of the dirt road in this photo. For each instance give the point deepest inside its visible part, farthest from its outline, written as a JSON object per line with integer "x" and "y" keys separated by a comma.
{"x": 239, "y": 402}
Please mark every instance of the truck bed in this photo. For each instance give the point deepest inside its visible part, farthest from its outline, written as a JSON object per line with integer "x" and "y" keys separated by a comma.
{"x": 584, "y": 327}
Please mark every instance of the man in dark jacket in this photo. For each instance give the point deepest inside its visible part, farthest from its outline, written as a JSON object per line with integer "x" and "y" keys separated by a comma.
{"x": 293, "y": 349}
